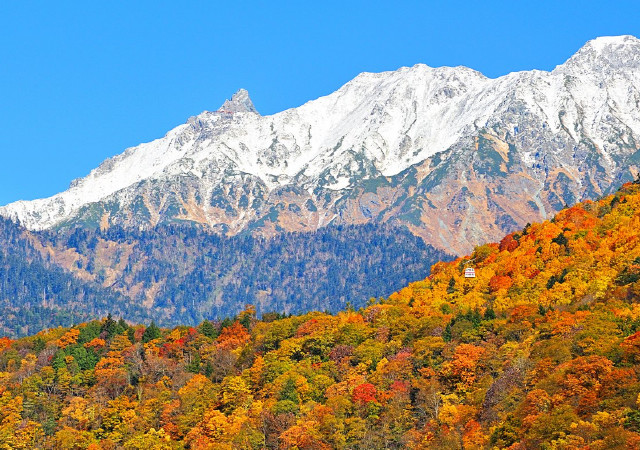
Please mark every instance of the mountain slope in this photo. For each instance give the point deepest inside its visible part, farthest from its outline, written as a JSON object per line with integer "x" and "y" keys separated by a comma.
{"x": 182, "y": 275}
{"x": 585, "y": 255}
{"x": 36, "y": 294}
{"x": 540, "y": 350}
{"x": 457, "y": 157}
{"x": 185, "y": 274}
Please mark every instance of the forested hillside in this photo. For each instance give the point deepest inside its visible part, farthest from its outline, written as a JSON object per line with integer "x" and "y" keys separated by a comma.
{"x": 540, "y": 350}
{"x": 36, "y": 294}
{"x": 184, "y": 274}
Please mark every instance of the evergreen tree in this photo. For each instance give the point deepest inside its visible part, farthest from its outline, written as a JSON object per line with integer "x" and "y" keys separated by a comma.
{"x": 108, "y": 326}
{"x": 150, "y": 333}
{"x": 289, "y": 392}
{"x": 489, "y": 314}
{"x": 207, "y": 329}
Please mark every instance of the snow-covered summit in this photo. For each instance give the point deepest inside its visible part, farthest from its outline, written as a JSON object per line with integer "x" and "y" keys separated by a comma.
{"x": 612, "y": 44}
{"x": 605, "y": 53}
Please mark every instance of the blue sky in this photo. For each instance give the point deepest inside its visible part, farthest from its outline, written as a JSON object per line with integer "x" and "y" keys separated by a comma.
{"x": 82, "y": 81}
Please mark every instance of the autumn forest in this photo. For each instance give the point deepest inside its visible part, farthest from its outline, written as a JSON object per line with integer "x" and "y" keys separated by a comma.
{"x": 540, "y": 350}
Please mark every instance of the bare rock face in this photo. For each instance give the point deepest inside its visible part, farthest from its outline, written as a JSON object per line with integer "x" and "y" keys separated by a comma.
{"x": 459, "y": 158}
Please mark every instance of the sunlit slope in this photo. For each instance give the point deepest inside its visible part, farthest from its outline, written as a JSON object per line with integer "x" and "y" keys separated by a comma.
{"x": 586, "y": 253}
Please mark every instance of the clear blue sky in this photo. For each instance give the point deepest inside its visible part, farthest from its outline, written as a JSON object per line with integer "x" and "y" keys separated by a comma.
{"x": 81, "y": 81}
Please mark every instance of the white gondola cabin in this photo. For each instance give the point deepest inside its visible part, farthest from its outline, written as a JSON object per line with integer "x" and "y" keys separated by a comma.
{"x": 469, "y": 272}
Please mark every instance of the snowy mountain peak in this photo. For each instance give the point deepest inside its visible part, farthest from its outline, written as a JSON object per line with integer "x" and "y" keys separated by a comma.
{"x": 609, "y": 43}
{"x": 240, "y": 102}
{"x": 607, "y": 52}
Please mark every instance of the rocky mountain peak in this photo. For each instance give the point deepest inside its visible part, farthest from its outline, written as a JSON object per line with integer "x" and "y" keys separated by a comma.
{"x": 240, "y": 102}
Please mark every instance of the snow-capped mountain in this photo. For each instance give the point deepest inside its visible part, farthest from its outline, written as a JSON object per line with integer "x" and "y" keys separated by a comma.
{"x": 458, "y": 157}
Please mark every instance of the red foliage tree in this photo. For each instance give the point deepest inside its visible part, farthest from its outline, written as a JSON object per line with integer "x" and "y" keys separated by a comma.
{"x": 508, "y": 243}
{"x": 233, "y": 337}
{"x": 499, "y": 282}
{"x": 364, "y": 393}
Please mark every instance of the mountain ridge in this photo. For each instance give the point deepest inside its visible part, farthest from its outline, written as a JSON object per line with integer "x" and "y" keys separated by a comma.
{"x": 343, "y": 158}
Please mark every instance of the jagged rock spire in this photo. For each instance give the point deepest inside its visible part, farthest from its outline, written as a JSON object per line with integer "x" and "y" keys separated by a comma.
{"x": 240, "y": 102}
